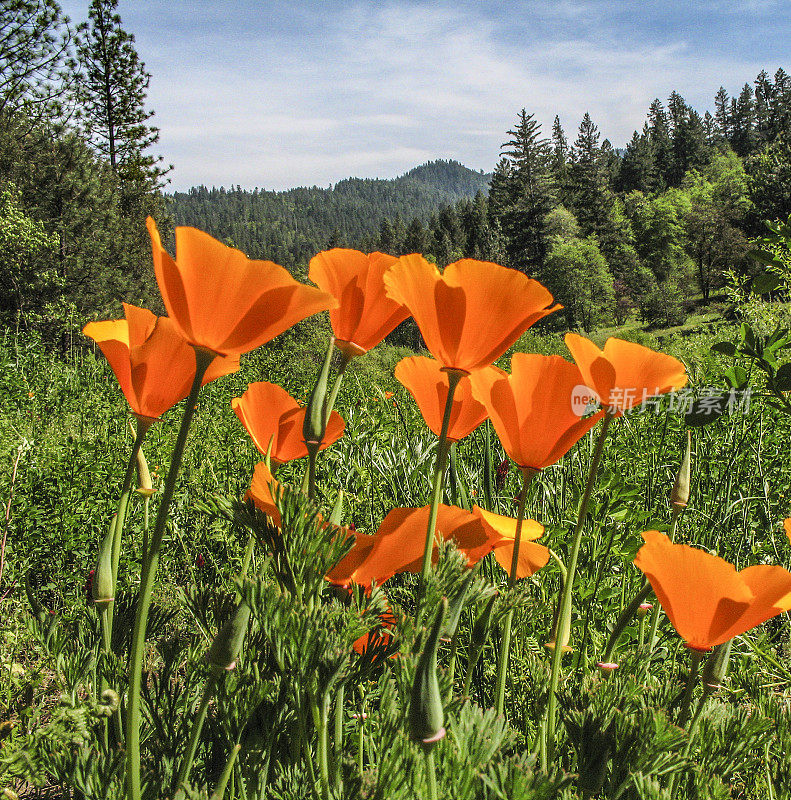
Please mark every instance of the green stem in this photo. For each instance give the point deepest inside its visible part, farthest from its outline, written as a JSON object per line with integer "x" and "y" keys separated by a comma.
{"x": 693, "y": 726}
{"x": 623, "y": 620}
{"x": 323, "y": 744}
{"x": 505, "y": 644}
{"x": 454, "y": 376}
{"x": 431, "y": 776}
{"x": 147, "y": 577}
{"x": 333, "y": 395}
{"x": 248, "y": 554}
{"x": 564, "y": 615}
{"x": 219, "y": 790}
{"x": 197, "y": 728}
{"x": 338, "y": 738}
{"x": 692, "y": 680}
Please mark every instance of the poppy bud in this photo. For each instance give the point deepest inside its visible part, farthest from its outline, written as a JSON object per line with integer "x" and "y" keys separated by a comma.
{"x": 426, "y": 715}
{"x": 144, "y": 485}
{"x": 337, "y": 510}
{"x": 39, "y": 612}
{"x": 606, "y": 667}
{"x": 225, "y": 648}
{"x": 102, "y": 588}
{"x": 716, "y": 666}
{"x": 643, "y": 609}
{"x": 480, "y": 630}
{"x": 457, "y": 605}
{"x": 314, "y": 425}
{"x": 679, "y": 496}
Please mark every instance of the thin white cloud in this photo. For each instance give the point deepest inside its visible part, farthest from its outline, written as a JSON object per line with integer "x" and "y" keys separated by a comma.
{"x": 279, "y": 95}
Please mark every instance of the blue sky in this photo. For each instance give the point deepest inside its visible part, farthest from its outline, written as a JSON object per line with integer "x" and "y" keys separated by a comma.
{"x": 277, "y": 94}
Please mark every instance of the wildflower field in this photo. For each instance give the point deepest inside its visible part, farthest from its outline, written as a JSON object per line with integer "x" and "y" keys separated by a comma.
{"x": 251, "y": 551}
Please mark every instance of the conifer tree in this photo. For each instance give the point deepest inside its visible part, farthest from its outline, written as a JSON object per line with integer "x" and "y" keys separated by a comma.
{"x": 113, "y": 94}
{"x": 524, "y": 192}
{"x": 37, "y": 68}
{"x": 722, "y": 114}
{"x": 659, "y": 136}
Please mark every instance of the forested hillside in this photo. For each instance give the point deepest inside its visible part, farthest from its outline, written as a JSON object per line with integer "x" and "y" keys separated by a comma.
{"x": 290, "y": 227}
{"x": 642, "y": 233}
{"x": 650, "y": 231}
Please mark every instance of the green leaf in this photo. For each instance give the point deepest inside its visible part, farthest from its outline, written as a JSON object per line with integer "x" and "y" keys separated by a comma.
{"x": 764, "y": 257}
{"x": 725, "y": 348}
{"x": 782, "y": 380}
{"x": 767, "y": 282}
{"x": 736, "y": 377}
{"x": 705, "y": 410}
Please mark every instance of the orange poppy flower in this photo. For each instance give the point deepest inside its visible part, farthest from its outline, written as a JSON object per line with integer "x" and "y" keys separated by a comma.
{"x": 365, "y": 314}
{"x": 399, "y": 542}
{"x": 154, "y": 366}
{"x": 261, "y": 491}
{"x": 269, "y": 412}
{"x": 428, "y": 383}
{"x": 221, "y": 300}
{"x": 380, "y": 635}
{"x": 532, "y": 557}
{"x": 787, "y": 528}
{"x": 531, "y": 409}
{"x": 342, "y": 574}
{"x": 706, "y": 599}
{"x": 625, "y": 374}
{"x": 471, "y": 313}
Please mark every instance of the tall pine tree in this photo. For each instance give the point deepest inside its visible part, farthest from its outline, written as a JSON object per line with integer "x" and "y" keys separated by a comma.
{"x": 113, "y": 94}
{"x": 523, "y": 192}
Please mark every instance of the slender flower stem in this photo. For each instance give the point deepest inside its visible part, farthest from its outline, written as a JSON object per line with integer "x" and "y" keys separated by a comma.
{"x": 564, "y": 614}
{"x": 692, "y": 679}
{"x": 505, "y": 644}
{"x": 454, "y": 376}
{"x": 693, "y": 725}
{"x": 197, "y": 728}
{"x": 219, "y": 790}
{"x": 338, "y": 738}
{"x": 431, "y": 776}
{"x": 147, "y": 577}
{"x": 333, "y": 395}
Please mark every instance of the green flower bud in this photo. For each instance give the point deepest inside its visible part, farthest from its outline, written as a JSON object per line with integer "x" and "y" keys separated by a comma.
{"x": 679, "y": 496}
{"x": 102, "y": 589}
{"x": 480, "y": 630}
{"x": 337, "y": 510}
{"x": 225, "y": 648}
{"x": 716, "y": 667}
{"x": 314, "y": 426}
{"x": 456, "y": 605}
{"x": 426, "y": 714}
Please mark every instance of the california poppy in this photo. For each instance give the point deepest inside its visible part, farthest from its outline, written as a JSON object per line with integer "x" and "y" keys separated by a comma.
{"x": 471, "y": 313}
{"x": 365, "y": 314}
{"x": 532, "y": 557}
{"x": 398, "y": 544}
{"x": 269, "y": 412}
{"x": 428, "y": 383}
{"x": 342, "y": 574}
{"x": 222, "y": 301}
{"x": 531, "y": 409}
{"x": 787, "y": 527}
{"x": 706, "y": 599}
{"x": 261, "y": 492}
{"x": 625, "y": 374}
{"x": 154, "y": 366}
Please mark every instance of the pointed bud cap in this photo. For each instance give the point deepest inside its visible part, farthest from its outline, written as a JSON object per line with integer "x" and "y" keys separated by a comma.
{"x": 426, "y": 714}
{"x": 679, "y": 496}
{"x": 225, "y": 648}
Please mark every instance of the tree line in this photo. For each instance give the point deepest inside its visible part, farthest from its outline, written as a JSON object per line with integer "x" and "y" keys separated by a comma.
{"x": 77, "y": 177}
{"x": 647, "y": 231}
